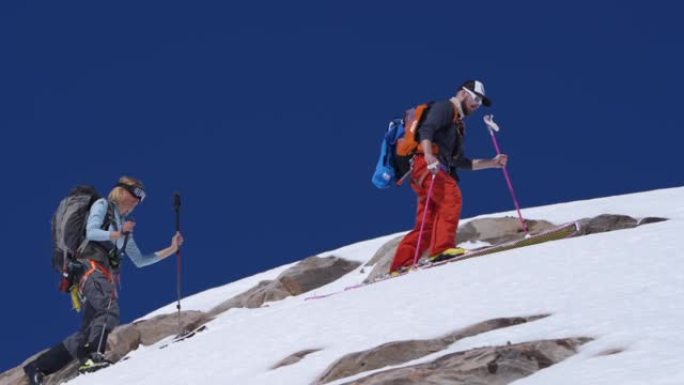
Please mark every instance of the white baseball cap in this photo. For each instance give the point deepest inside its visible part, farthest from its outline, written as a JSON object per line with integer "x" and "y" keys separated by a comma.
{"x": 477, "y": 87}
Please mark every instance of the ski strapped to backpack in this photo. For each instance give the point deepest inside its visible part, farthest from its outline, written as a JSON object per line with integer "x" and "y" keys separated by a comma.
{"x": 68, "y": 235}
{"x": 400, "y": 144}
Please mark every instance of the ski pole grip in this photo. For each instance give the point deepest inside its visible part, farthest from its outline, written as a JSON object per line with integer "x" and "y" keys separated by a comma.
{"x": 127, "y": 235}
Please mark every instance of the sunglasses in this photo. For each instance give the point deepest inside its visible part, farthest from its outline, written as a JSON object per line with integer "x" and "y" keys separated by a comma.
{"x": 136, "y": 191}
{"x": 476, "y": 98}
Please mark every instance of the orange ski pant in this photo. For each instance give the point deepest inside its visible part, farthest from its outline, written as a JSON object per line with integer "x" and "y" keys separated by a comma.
{"x": 441, "y": 220}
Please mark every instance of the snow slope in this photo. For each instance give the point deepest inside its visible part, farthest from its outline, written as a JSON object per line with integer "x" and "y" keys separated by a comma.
{"x": 623, "y": 288}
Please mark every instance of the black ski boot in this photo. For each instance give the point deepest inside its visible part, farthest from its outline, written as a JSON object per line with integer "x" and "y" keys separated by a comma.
{"x": 47, "y": 363}
{"x": 34, "y": 375}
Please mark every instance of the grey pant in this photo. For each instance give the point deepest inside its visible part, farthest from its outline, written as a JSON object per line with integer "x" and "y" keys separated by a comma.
{"x": 100, "y": 309}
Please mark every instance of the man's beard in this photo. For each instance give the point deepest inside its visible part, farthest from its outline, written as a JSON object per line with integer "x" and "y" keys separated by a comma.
{"x": 465, "y": 109}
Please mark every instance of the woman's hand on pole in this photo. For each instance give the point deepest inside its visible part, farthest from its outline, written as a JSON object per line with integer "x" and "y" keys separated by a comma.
{"x": 177, "y": 241}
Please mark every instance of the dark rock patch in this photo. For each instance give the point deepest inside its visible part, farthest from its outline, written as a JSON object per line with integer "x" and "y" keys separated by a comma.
{"x": 294, "y": 358}
{"x": 305, "y": 276}
{"x": 395, "y": 353}
{"x": 497, "y": 365}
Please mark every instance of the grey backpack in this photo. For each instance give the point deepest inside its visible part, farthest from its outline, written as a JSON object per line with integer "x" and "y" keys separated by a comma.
{"x": 69, "y": 225}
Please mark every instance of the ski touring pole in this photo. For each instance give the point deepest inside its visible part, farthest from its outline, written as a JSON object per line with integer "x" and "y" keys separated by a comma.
{"x": 493, "y": 127}
{"x": 422, "y": 223}
{"x": 176, "y": 206}
{"x": 99, "y": 350}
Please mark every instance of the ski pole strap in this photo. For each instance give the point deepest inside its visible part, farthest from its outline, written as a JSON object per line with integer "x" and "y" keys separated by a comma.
{"x": 422, "y": 178}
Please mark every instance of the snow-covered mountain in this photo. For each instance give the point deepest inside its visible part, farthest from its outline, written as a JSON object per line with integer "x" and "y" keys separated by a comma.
{"x": 620, "y": 292}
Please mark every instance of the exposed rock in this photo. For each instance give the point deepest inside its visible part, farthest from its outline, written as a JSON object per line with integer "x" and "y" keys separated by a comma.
{"x": 123, "y": 340}
{"x": 489, "y": 325}
{"x": 649, "y": 220}
{"x": 15, "y": 376}
{"x": 68, "y": 373}
{"x": 611, "y": 222}
{"x": 129, "y": 337}
{"x": 294, "y": 358}
{"x": 315, "y": 272}
{"x": 395, "y": 353}
{"x": 307, "y": 275}
{"x": 499, "y": 230}
{"x": 382, "y": 259}
{"x": 388, "y": 248}
{"x": 157, "y": 328}
{"x": 610, "y": 352}
{"x": 482, "y": 366}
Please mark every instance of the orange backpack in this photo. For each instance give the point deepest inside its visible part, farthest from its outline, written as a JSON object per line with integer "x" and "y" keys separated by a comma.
{"x": 400, "y": 144}
{"x": 409, "y": 144}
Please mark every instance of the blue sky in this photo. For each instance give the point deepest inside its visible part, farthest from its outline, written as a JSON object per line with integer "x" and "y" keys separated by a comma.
{"x": 267, "y": 117}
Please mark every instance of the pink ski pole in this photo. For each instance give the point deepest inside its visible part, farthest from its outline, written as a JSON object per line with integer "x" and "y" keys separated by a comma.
{"x": 492, "y": 126}
{"x": 422, "y": 223}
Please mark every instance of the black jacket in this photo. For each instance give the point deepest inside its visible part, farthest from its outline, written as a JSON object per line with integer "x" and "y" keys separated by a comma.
{"x": 448, "y": 133}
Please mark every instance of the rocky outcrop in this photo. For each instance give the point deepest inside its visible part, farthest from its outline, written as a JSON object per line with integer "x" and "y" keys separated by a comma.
{"x": 129, "y": 337}
{"x": 498, "y": 365}
{"x": 400, "y": 352}
{"x": 499, "y": 230}
{"x": 383, "y": 256}
{"x": 307, "y": 275}
{"x": 611, "y": 222}
{"x": 294, "y": 358}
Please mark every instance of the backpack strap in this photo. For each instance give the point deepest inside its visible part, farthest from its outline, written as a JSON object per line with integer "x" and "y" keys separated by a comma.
{"x": 457, "y": 118}
{"x": 108, "y": 221}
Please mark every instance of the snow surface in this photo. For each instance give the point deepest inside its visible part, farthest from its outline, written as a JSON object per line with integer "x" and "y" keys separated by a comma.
{"x": 625, "y": 289}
